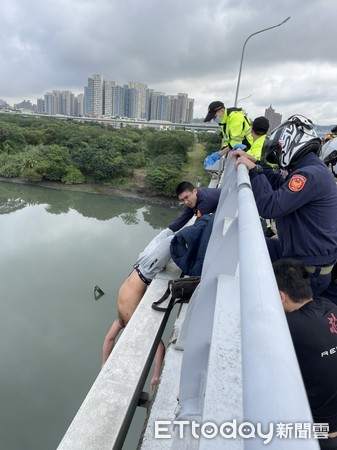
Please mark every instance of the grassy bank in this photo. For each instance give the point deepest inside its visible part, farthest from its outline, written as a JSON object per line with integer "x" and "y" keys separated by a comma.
{"x": 194, "y": 169}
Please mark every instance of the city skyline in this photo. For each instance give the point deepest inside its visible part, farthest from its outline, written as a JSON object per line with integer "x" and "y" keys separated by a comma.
{"x": 176, "y": 46}
{"x": 270, "y": 113}
{"x": 102, "y": 97}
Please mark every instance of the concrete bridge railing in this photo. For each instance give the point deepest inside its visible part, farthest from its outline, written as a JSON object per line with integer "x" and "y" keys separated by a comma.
{"x": 104, "y": 417}
{"x": 238, "y": 361}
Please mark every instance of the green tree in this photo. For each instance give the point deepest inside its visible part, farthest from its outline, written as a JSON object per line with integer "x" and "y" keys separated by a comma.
{"x": 46, "y": 148}
{"x": 30, "y": 174}
{"x": 9, "y": 165}
{"x": 100, "y": 164}
{"x": 54, "y": 162}
{"x": 175, "y": 142}
{"x": 73, "y": 176}
{"x": 162, "y": 180}
{"x": 32, "y": 136}
{"x": 211, "y": 141}
{"x": 11, "y": 138}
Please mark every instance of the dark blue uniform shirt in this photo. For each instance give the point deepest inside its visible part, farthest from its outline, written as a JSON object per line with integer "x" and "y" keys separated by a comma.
{"x": 304, "y": 206}
{"x": 207, "y": 202}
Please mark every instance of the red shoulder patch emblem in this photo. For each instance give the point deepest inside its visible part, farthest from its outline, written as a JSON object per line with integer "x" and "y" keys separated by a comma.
{"x": 297, "y": 182}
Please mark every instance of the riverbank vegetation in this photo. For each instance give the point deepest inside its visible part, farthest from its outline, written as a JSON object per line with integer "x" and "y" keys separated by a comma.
{"x": 47, "y": 149}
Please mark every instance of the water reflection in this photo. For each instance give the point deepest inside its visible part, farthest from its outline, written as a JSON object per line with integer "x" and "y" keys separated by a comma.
{"x": 56, "y": 246}
{"x": 14, "y": 197}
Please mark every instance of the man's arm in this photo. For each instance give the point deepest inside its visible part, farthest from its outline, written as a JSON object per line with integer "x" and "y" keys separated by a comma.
{"x": 182, "y": 219}
{"x": 109, "y": 340}
{"x": 275, "y": 179}
{"x": 280, "y": 202}
{"x": 271, "y": 203}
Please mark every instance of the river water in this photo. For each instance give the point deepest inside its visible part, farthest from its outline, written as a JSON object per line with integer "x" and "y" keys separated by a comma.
{"x": 55, "y": 247}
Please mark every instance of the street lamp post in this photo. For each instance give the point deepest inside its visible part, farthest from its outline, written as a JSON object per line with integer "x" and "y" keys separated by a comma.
{"x": 243, "y": 52}
{"x": 244, "y": 98}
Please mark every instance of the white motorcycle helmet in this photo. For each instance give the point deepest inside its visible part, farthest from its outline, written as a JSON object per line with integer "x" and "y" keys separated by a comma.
{"x": 290, "y": 141}
{"x": 328, "y": 153}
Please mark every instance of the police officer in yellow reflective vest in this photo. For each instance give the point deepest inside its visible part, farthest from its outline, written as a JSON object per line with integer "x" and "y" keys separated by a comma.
{"x": 259, "y": 132}
{"x": 260, "y": 128}
{"x": 235, "y": 127}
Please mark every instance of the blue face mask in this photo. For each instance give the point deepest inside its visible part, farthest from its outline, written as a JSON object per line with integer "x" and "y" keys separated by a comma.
{"x": 218, "y": 119}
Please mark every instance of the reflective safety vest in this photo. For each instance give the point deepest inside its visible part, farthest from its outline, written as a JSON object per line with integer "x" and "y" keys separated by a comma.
{"x": 235, "y": 128}
{"x": 256, "y": 150}
{"x": 256, "y": 147}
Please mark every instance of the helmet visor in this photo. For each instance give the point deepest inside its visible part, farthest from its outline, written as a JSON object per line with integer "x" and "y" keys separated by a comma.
{"x": 270, "y": 152}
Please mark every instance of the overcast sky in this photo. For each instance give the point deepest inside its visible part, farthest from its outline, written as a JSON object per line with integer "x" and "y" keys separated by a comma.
{"x": 191, "y": 46}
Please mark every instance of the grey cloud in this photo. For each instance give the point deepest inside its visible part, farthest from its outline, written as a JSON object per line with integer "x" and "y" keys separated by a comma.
{"x": 174, "y": 46}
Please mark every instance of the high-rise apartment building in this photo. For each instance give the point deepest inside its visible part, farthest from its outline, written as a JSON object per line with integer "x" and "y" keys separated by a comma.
{"x": 179, "y": 108}
{"x": 149, "y": 93}
{"x": 67, "y": 103}
{"x": 274, "y": 118}
{"x": 52, "y": 102}
{"x": 108, "y": 98}
{"x": 40, "y": 105}
{"x": 79, "y": 105}
{"x": 58, "y": 102}
{"x": 159, "y": 106}
{"x": 137, "y": 105}
{"x": 89, "y": 98}
{"x": 109, "y": 87}
{"x": 172, "y": 108}
{"x": 94, "y": 96}
{"x": 119, "y": 101}
{"x": 190, "y": 108}
{"x": 132, "y": 102}
{"x": 182, "y": 107}
{"x": 175, "y": 108}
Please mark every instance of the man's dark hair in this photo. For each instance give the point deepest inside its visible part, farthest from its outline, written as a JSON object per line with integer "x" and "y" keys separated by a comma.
{"x": 293, "y": 279}
{"x": 184, "y": 186}
{"x": 259, "y": 133}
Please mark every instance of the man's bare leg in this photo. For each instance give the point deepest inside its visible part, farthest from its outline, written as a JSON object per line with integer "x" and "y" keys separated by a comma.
{"x": 109, "y": 340}
{"x": 158, "y": 361}
{"x": 129, "y": 296}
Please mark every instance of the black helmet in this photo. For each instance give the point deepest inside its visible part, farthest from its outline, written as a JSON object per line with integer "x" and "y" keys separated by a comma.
{"x": 290, "y": 141}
